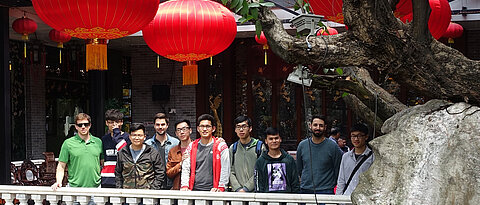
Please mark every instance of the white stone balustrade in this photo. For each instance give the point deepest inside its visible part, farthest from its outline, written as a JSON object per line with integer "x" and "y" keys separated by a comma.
{"x": 162, "y": 197}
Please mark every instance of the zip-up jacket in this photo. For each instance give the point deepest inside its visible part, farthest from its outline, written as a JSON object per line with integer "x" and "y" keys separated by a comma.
{"x": 147, "y": 173}
{"x": 111, "y": 146}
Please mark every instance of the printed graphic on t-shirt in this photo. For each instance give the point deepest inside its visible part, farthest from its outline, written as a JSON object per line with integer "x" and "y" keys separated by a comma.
{"x": 277, "y": 180}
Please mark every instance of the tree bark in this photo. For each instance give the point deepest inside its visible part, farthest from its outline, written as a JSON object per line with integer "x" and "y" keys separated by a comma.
{"x": 377, "y": 41}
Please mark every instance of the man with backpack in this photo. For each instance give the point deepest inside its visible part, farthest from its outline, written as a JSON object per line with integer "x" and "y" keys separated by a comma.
{"x": 243, "y": 155}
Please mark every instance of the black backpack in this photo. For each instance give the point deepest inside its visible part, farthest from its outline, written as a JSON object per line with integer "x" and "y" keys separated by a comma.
{"x": 258, "y": 149}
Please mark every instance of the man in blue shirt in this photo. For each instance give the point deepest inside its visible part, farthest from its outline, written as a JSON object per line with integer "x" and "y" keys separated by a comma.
{"x": 162, "y": 141}
{"x": 318, "y": 160}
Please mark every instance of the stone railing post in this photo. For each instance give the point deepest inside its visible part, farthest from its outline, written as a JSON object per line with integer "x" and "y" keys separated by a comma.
{"x": 38, "y": 198}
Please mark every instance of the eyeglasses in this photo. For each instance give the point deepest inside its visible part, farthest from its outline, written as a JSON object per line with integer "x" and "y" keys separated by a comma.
{"x": 112, "y": 121}
{"x": 83, "y": 124}
{"x": 137, "y": 136}
{"x": 357, "y": 136}
{"x": 241, "y": 127}
{"x": 183, "y": 129}
{"x": 205, "y": 127}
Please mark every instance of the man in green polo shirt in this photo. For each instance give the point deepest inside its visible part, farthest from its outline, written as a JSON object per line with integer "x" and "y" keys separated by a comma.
{"x": 82, "y": 154}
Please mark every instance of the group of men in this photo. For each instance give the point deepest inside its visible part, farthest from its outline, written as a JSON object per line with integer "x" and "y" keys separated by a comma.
{"x": 129, "y": 160}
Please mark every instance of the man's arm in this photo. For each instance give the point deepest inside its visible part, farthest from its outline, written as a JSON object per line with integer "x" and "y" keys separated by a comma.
{"x": 341, "y": 181}
{"x": 185, "y": 177}
{"x": 159, "y": 169}
{"x": 294, "y": 178}
{"x": 173, "y": 168}
{"x": 233, "y": 176}
{"x": 59, "y": 175}
{"x": 225, "y": 166}
{"x": 118, "y": 173}
{"x": 337, "y": 160}
{"x": 299, "y": 161}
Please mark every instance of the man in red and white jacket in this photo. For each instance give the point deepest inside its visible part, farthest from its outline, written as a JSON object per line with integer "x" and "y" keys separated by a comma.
{"x": 112, "y": 142}
{"x": 207, "y": 163}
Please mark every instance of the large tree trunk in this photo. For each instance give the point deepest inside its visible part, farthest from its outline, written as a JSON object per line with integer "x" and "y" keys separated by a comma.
{"x": 377, "y": 41}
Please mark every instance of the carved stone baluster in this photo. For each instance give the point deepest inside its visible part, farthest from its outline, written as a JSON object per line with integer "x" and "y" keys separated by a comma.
{"x": 218, "y": 202}
{"x": 254, "y": 203}
{"x": 201, "y": 202}
{"x": 37, "y": 198}
{"x": 22, "y": 198}
{"x": 149, "y": 201}
{"x": 117, "y": 200}
{"x": 273, "y": 203}
{"x": 83, "y": 200}
{"x": 166, "y": 201}
{"x": 237, "y": 203}
{"x": 133, "y": 200}
{"x": 8, "y": 198}
{"x": 185, "y": 202}
{"x": 100, "y": 200}
{"x": 68, "y": 199}
{"x": 53, "y": 199}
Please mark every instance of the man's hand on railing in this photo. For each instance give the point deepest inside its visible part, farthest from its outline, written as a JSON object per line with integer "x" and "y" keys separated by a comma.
{"x": 56, "y": 186}
{"x": 184, "y": 189}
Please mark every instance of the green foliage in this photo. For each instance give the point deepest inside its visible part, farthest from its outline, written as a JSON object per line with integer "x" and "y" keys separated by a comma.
{"x": 303, "y": 5}
{"x": 344, "y": 94}
{"x": 248, "y": 11}
{"x": 339, "y": 71}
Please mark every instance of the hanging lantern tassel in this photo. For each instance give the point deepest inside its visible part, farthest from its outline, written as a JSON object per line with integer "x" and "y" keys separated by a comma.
{"x": 450, "y": 40}
{"x": 190, "y": 73}
{"x": 60, "y": 46}
{"x": 158, "y": 61}
{"x": 24, "y": 49}
{"x": 211, "y": 60}
{"x": 96, "y": 54}
{"x": 265, "y": 47}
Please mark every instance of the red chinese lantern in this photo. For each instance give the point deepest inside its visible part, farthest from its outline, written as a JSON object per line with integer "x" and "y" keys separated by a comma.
{"x": 454, "y": 30}
{"x": 60, "y": 37}
{"x": 189, "y": 31}
{"x": 332, "y": 9}
{"x": 331, "y": 31}
{"x": 439, "y": 17}
{"x": 262, "y": 41}
{"x": 24, "y": 26}
{"x": 97, "y": 21}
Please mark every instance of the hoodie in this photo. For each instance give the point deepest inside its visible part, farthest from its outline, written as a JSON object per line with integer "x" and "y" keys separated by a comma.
{"x": 276, "y": 174}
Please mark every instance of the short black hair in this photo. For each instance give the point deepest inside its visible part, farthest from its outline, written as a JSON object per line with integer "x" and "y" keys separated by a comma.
{"x": 322, "y": 117}
{"x": 206, "y": 117}
{"x": 137, "y": 126}
{"x": 243, "y": 118}
{"x": 113, "y": 114}
{"x": 271, "y": 131}
{"x": 184, "y": 120}
{"x": 360, "y": 127}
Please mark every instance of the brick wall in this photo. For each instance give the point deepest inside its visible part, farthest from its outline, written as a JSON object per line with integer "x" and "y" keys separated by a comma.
{"x": 145, "y": 74}
{"x": 35, "y": 111}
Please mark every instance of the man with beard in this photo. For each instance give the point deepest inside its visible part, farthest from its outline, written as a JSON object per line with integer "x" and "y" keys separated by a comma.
{"x": 162, "y": 142}
{"x": 318, "y": 160}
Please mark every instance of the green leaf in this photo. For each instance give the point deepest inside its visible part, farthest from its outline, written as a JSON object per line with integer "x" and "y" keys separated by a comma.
{"x": 344, "y": 94}
{"x": 296, "y": 7}
{"x": 258, "y": 28}
{"x": 254, "y": 5}
{"x": 238, "y": 8}
{"x": 234, "y": 3}
{"x": 267, "y": 4}
{"x": 224, "y": 2}
{"x": 254, "y": 13}
{"x": 242, "y": 20}
{"x": 244, "y": 11}
{"x": 325, "y": 70}
{"x": 339, "y": 71}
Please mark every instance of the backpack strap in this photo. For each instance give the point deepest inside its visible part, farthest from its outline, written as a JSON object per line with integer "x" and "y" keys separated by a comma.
{"x": 258, "y": 148}
{"x": 234, "y": 150}
{"x": 356, "y": 168}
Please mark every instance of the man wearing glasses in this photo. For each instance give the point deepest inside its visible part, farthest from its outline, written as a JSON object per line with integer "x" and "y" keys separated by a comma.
{"x": 83, "y": 155}
{"x": 112, "y": 142}
{"x": 243, "y": 155}
{"x": 207, "y": 166}
{"x": 139, "y": 166}
{"x": 356, "y": 161}
{"x": 175, "y": 155}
